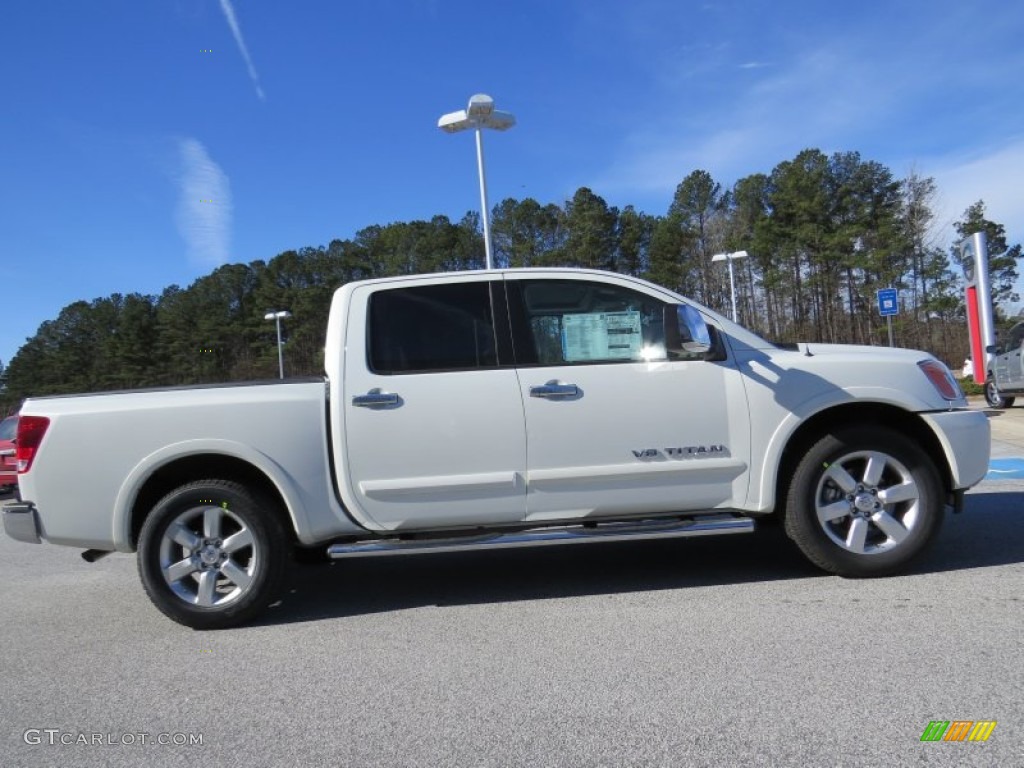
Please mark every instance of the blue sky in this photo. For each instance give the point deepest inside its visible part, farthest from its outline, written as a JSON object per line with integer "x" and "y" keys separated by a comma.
{"x": 305, "y": 121}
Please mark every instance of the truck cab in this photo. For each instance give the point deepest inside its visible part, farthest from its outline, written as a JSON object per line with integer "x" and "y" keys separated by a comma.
{"x": 528, "y": 397}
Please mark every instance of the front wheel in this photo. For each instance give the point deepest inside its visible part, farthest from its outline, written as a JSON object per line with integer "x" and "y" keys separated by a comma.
{"x": 864, "y": 502}
{"x": 212, "y": 554}
{"x": 994, "y": 397}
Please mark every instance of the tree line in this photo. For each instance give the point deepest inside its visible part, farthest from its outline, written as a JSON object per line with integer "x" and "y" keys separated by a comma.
{"x": 823, "y": 234}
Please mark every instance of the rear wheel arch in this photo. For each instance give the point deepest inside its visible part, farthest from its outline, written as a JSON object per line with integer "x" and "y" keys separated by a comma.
{"x": 179, "y": 472}
{"x": 213, "y": 554}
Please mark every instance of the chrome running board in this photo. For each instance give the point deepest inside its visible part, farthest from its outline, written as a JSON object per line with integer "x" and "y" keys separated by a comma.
{"x": 708, "y": 525}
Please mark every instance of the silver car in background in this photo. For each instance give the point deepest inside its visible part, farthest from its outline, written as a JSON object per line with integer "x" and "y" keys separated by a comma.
{"x": 1005, "y": 377}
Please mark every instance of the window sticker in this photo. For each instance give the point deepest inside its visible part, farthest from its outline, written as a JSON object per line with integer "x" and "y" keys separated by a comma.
{"x": 601, "y": 336}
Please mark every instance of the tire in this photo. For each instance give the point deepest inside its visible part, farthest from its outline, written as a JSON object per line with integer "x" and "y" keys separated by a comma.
{"x": 993, "y": 397}
{"x": 864, "y": 501}
{"x": 212, "y": 554}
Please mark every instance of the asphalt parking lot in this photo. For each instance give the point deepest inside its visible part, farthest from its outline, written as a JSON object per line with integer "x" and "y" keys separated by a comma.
{"x": 717, "y": 651}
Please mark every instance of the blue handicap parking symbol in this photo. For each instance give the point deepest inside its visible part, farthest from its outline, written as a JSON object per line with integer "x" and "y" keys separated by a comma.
{"x": 1005, "y": 469}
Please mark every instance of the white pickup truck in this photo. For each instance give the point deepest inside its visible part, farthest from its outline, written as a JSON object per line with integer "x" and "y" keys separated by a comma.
{"x": 501, "y": 408}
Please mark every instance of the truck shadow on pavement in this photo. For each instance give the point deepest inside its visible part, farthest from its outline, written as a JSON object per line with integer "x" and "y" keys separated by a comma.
{"x": 988, "y": 534}
{"x": 382, "y": 584}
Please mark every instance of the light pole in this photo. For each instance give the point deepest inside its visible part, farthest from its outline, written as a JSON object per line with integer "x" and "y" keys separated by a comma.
{"x": 277, "y": 317}
{"x": 478, "y": 115}
{"x": 731, "y": 257}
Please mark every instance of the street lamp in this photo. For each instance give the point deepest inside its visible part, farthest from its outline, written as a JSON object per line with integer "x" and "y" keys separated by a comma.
{"x": 277, "y": 317}
{"x": 478, "y": 115}
{"x": 731, "y": 257}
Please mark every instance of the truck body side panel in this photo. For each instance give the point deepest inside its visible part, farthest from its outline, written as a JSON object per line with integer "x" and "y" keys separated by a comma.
{"x": 99, "y": 450}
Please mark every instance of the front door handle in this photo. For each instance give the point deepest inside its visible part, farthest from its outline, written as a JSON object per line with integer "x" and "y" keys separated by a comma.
{"x": 556, "y": 390}
{"x": 376, "y": 399}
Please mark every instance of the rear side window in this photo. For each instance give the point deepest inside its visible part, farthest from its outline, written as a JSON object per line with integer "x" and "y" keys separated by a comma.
{"x": 446, "y": 327}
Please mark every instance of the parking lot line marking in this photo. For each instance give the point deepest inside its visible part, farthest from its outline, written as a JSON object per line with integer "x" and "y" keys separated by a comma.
{"x": 1005, "y": 469}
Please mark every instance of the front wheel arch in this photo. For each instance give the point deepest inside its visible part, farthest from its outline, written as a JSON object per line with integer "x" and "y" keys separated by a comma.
{"x": 993, "y": 397}
{"x": 864, "y": 501}
{"x": 857, "y": 414}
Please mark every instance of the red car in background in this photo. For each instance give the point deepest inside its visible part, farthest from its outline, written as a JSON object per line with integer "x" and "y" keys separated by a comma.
{"x": 8, "y": 464}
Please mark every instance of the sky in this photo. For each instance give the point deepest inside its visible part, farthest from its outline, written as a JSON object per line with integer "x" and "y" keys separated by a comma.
{"x": 143, "y": 144}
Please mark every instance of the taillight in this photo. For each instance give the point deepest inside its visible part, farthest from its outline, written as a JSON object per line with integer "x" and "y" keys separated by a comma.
{"x": 30, "y": 434}
{"x": 941, "y": 379}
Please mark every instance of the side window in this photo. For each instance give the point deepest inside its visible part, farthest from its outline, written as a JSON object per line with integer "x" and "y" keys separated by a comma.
{"x": 568, "y": 322}
{"x": 431, "y": 328}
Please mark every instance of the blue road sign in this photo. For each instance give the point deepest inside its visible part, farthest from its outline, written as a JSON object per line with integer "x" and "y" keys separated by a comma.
{"x": 888, "y": 302}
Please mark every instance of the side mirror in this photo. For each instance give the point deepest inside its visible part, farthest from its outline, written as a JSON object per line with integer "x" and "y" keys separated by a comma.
{"x": 685, "y": 330}
{"x": 992, "y": 349}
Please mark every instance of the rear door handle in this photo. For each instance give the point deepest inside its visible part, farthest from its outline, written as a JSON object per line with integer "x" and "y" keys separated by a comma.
{"x": 376, "y": 399}
{"x": 556, "y": 390}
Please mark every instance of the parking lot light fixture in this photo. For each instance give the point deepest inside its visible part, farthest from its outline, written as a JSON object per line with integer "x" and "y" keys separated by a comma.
{"x": 479, "y": 114}
{"x": 730, "y": 258}
{"x": 277, "y": 317}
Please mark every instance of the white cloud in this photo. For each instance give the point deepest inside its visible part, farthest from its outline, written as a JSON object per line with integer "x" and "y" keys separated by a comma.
{"x": 827, "y": 98}
{"x": 993, "y": 176}
{"x": 816, "y": 100}
{"x": 229, "y": 14}
{"x": 204, "y": 205}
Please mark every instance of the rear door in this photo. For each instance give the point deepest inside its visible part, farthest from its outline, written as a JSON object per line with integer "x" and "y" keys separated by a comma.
{"x": 433, "y": 419}
{"x": 614, "y": 426}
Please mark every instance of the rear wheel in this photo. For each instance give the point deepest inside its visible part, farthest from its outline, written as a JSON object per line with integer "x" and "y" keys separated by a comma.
{"x": 864, "y": 502}
{"x": 993, "y": 396}
{"x": 212, "y": 554}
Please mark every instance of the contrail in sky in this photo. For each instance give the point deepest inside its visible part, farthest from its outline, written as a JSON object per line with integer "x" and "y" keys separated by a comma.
{"x": 229, "y": 14}
{"x": 204, "y": 205}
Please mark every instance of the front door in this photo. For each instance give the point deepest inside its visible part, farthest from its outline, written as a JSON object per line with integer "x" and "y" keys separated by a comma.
{"x": 1014, "y": 362}
{"x": 614, "y": 426}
